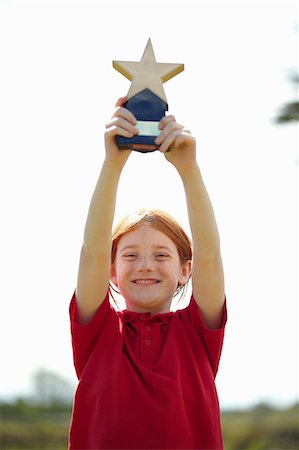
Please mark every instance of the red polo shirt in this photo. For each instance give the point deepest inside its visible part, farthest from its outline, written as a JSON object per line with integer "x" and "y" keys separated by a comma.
{"x": 145, "y": 382}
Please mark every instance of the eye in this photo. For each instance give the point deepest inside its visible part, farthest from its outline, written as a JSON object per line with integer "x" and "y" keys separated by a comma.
{"x": 130, "y": 256}
{"x": 161, "y": 256}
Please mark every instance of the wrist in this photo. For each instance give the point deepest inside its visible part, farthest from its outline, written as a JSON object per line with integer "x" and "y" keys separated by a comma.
{"x": 112, "y": 167}
{"x": 188, "y": 170}
{"x": 116, "y": 163}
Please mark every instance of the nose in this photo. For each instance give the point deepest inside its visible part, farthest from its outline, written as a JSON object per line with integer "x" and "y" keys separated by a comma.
{"x": 145, "y": 263}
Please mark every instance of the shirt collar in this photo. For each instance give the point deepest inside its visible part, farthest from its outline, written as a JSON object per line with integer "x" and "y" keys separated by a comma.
{"x": 130, "y": 316}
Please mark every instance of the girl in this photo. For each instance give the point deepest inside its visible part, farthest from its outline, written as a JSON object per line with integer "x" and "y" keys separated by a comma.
{"x": 146, "y": 375}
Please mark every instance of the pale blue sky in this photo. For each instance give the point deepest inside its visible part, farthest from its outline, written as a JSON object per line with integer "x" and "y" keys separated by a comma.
{"x": 58, "y": 91}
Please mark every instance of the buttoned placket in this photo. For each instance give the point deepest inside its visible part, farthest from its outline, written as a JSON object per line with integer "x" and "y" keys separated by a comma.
{"x": 146, "y": 340}
{"x": 148, "y": 334}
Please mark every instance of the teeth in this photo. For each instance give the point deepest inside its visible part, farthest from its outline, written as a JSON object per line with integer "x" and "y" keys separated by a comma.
{"x": 145, "y": 281}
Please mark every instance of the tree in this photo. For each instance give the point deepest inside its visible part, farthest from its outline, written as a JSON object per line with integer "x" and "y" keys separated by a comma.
{"x": 290, "y": 111}
{"x": 50, "y": 388}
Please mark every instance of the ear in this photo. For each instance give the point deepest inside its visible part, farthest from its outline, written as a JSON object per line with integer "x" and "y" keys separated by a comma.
{"x": 113, "y": 276}
{"x": 185, "y": 272}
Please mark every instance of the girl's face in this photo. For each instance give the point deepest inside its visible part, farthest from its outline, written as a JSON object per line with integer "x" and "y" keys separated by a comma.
{"x": 147, "y": 270}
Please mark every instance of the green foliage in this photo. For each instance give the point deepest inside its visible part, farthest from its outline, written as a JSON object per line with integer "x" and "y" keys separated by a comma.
{"x": 261, "y": 428}
{"x": 288, "y": 113}
{"x": 31, "y": 426}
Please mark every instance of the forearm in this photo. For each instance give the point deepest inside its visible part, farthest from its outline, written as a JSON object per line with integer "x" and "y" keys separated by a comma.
{"x": 205, "y": 236}
{"x": 95, "y": 259}
{"x": 179, "y": 147}
{"x": 98, "y": 228}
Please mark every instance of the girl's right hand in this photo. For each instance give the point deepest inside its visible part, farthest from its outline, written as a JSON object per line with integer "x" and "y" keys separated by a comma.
{"x": 123, "y": 123}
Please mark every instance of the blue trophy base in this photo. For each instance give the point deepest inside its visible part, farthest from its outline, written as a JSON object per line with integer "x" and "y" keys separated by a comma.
{"x": 148, "y": 109}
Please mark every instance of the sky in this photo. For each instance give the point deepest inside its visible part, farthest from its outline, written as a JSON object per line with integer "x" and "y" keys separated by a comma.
{"x": 58, "y": 90}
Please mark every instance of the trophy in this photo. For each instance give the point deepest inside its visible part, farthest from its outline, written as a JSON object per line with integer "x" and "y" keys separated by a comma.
{"x": 146, "y": 97}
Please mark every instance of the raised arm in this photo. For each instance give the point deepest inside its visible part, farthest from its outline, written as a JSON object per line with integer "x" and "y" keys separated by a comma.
{"x": 95, "y": 258}
{"x": 179, "y": 148}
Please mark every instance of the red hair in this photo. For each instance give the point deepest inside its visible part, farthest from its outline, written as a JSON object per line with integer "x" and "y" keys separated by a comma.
{"x": 159, "y": 220}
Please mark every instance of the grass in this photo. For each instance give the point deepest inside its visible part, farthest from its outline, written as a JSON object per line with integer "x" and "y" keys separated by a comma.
{"x": 45, "y": 427}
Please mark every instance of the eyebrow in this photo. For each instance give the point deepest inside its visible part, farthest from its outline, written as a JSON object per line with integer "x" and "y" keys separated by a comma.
{"x": 157, "y": 247}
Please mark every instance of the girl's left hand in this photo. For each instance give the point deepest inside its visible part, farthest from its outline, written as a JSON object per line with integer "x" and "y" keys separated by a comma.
{"x": 177, "y": 143}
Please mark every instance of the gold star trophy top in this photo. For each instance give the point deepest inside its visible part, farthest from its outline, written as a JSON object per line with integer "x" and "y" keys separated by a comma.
{"x": 146, "y": 97}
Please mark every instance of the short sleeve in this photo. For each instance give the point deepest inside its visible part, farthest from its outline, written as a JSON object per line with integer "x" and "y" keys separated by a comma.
{"x": 212, "y": 338}
{"x": 84, "y": 335}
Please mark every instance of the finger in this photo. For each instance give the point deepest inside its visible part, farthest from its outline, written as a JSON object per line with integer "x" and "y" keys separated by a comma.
{"x": 126, "y": 114}
{"x": 169, "y": 141}
{"x": 171, "y": 126}
{"x": 121, "y": 122}
{"x": 121, "y": 101}
{"x": 185, "y": 138}
{"x": 118, "y": 131}
{"x": 163, "y": 122}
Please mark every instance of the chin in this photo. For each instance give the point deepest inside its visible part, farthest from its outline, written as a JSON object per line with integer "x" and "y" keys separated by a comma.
{"x": 148, "y": 305}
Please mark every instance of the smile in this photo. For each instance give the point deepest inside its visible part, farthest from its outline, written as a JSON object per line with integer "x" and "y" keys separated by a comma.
{"x": 146, "y": 281}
